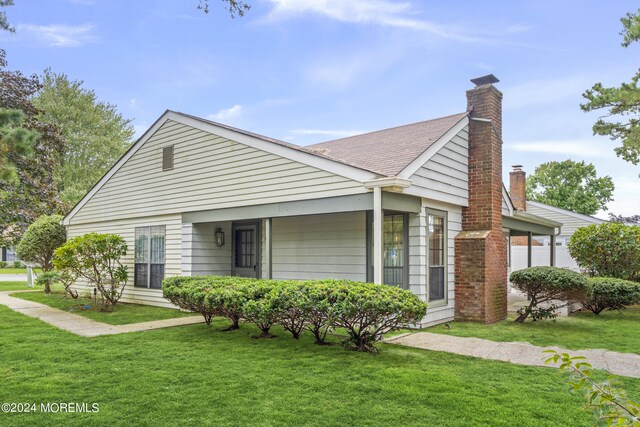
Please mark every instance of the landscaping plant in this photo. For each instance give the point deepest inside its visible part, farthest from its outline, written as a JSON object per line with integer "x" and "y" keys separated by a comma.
{"x": 544, "y": 284}
{"x": 95, "y": 258}
{"x": 610, "y": 249}
{"x": 607, "y": 293}
{"x": 189, "y": 294}
{"x": 40, "y": 241}
{"x": 260, "y": 307}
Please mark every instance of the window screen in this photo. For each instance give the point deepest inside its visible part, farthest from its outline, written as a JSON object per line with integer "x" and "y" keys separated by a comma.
{"x": 149, "y": 256}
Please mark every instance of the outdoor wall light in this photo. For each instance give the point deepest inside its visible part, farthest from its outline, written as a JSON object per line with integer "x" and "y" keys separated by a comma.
{"x": 219, "y": 237}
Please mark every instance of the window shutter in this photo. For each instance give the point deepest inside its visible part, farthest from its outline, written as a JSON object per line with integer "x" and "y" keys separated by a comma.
{"x": 167, "y": 158}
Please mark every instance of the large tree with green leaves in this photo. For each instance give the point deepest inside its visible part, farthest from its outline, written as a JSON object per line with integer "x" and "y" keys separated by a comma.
{"x": 622, "y": 121}
{"x": 95, "y": 133}
{"x": 14, "y": 141}
{"x": 570, "y": 185}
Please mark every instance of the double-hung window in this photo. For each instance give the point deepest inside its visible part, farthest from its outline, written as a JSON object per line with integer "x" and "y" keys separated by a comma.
{"x": 437, "y": 256}
{"x": 149, "y": 256}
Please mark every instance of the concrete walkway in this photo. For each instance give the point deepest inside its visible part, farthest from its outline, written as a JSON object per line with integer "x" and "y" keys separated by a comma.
{"x": 13, "y": 277}
{"x": 82, "y": 326}
{"x": 624, "y": 364}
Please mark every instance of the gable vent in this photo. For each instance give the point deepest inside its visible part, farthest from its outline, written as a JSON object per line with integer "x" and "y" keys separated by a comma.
{"x": 167, "y": 158}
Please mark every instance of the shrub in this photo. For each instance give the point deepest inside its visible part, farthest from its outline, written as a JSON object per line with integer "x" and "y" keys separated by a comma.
{"x": 229, "y": 298}
{"x": 367, "y": 311}
{"x": 260, "y": 307}
{"x": 96, "y": 258}
{"x": 544, "y": 284}
{"x": 47, "y": 279}
{"x": 17, "y": 264}
{"x": 609, "y": 249}
{"x": 188, "y": 294}
{"x": 319, "y": 309}
{"x": 3, "y": 264}
{"x": 40, "y": 241}
{"x": 606, "y": 293}
{"x": 292, "y": 304}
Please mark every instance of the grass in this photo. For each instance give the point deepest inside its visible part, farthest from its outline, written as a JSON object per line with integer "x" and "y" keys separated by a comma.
{"x": 121, "y": 315}
{"x": 13, "y": 286}
{"x": 15, "y": 271}
{"x": 611, "y": 330}
{"x": 196, "y": 375}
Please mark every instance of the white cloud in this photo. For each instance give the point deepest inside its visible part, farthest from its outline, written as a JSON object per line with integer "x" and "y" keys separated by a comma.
{"x": 570, "y": 148}
{"x": 385, "y": 13}
{"x": 60, "y": 35}
{"x": 336, "y": 133}
{"x": 227, "y": 113}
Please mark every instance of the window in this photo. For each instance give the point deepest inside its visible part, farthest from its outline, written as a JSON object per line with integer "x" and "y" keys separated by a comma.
{"x": 167, "y": 158}
{"x": 436, "y": 257}
{"x": 149, "y": 256}
{"x": 393, "y": 247}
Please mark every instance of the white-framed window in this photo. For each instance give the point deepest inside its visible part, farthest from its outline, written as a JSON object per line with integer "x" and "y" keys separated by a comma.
{"x": 149, "y": 256}
{"x": 436, "y": 256}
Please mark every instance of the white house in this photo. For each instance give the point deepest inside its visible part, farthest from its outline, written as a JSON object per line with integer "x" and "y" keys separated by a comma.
{"x": 418, "y": 206}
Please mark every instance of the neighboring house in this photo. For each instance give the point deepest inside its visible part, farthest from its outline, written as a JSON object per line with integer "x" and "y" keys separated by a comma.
{"x": 8, "y": 255}
{"x": 418, "y": 206}
{"x": 540, "y": 252}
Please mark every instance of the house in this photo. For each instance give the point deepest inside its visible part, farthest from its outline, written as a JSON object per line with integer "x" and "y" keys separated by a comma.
{"x": 541, "y": 246}
{"x": 7, "y": 254}
{"x": 420, "y": 206}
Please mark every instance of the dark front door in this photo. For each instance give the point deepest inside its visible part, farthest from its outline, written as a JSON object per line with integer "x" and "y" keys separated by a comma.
{"x": 246, "y": 250}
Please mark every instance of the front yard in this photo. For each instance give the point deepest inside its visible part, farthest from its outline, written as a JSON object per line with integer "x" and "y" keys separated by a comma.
{"x": 611, "y": 330}
{"x": 196, "y": 375}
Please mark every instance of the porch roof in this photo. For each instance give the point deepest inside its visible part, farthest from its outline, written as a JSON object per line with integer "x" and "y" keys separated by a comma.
{"x": 523, "y": 223}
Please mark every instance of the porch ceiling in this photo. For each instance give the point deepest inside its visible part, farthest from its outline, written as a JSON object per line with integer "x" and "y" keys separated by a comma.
{"x": 523, "y": 223}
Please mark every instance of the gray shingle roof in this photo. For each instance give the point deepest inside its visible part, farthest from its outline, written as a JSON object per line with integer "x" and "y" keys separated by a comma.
{"x": 387, "y": 152}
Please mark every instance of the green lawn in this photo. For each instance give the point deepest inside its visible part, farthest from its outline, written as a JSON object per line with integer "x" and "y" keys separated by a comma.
{"x": 196, "y": 375}
{"x": 13, "y": 271}
{"x": 12, "y": 286}
{"x": 122, "y": 314}
{"x": 612, "y": 330}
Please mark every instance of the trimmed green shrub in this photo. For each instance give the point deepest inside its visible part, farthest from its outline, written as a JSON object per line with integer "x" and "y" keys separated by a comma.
{"x": 367, "y": 311}
{"x": 3, "y": 264}
{"x": 544, "y": 284}
{"x": 189, "y": 294}
{"x": 96, "y": 258}
{"x": 609, "y": 249}
{"x": 292, "y": 304}
{"x": 40, "y": 241}
{"x": 319, "y": 309}
{"x": 607, "y": 293}
{"x": 17, "y": 264}
{"x": 260, "y": 307}
{"x": 47, "y": 279}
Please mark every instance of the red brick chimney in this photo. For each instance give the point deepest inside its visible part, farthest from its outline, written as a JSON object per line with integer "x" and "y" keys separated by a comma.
{"x": 481, "y": 248}
{"x": 518, "y": 187}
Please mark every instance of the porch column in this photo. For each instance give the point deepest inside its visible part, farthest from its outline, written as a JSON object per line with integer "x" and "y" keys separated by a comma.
{"x": 529, "y": 238}
{"x": 552, "y": 250}
{"x": 268, "y": 230}
{"x": 377, "y": 235}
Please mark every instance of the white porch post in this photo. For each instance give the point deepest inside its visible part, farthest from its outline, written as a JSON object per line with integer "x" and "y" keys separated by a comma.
{"x": 552, "y": 250}
{"x": 377, "y": 235}
{"x": 267, "y": 246}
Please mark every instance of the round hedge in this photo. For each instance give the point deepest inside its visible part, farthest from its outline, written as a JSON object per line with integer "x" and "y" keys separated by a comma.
{"x": 608, "y": 293}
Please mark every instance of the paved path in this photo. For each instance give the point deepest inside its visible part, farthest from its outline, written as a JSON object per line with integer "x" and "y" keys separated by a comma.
{"x": 13, "y": 277}
{"x": 82, "y": 326}
{"x": 624, "y": 364}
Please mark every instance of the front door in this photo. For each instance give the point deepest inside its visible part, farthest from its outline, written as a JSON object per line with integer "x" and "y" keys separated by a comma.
{"x": 246, "y": 249}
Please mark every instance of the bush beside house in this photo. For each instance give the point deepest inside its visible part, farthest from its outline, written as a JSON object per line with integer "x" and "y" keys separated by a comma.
{"x": 40, "y": 240}
{"x": 365, "y": 310}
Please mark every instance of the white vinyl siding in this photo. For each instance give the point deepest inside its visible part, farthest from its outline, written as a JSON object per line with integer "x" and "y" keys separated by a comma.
{"x": 445, "y": 176}
{"x": 202, "y": 257}
{"x": 126, "y": 229}
{"x": 331, "y": 246}
{"x": 209, "y": 172}
{"x": 570, "y": 221}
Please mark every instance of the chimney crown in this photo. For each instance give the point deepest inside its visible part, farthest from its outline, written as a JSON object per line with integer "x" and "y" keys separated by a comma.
{"x": 485, "y": 80}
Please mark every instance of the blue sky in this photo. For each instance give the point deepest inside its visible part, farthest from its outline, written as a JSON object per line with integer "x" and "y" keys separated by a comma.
{"x": 307, "y": 71}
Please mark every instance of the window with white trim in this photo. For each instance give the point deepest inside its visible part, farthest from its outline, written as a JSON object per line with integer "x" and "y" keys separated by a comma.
{"x": 436, "y": 257}
{"x": 149, "y": 256}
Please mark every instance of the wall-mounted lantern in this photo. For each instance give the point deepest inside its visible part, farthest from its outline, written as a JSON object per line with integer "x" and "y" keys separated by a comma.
{"x": 219, "y": 237}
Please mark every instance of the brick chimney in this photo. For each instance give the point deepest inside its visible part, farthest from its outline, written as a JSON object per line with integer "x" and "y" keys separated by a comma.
{"x": 481, "y": 248}
{"x": 518, "y": 187}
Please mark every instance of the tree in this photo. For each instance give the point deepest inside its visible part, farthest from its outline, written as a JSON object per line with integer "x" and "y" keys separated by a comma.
{"x": 235, "y": 7}
{"x": 631, "y": 220}
{"x": 34, "y": 192}
{"x": 622, "y": 101}
{"x": 4, "y": 23}
{"x": 95, "y": 133}
{"x": 14, "y": 141}
{"x": 570, "y": 185}
{"x": 41, "y": 240}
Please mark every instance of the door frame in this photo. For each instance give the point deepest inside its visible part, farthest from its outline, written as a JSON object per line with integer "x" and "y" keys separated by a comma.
{"x": 240, "y": 224}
